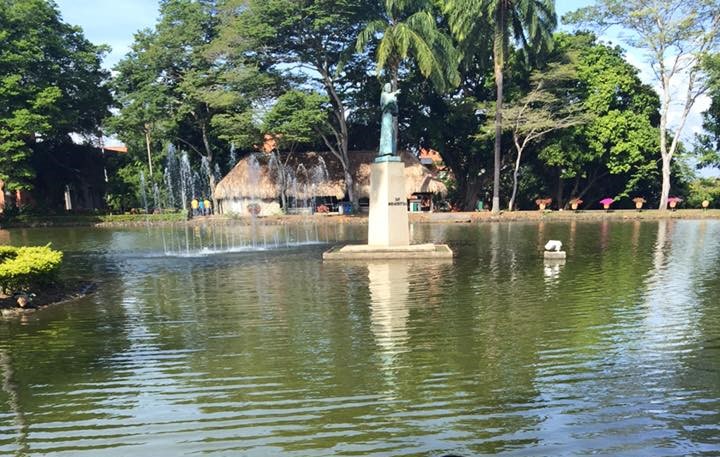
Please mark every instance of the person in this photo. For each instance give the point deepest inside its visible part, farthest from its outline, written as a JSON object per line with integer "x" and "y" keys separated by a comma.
{"x": 202, "y": 207}
{"x": 194, "y": 204}
{"x": 208, "y": 207}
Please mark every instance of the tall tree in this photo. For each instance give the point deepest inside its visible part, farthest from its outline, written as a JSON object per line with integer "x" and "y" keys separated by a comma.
{"x": 529, "y": 23}
{"x": 51, "y": 85}
{"x": 174, "y": 85}
{"x": 306, "y": 41}
{"x": 408, "y": 29}
{"x": 296, "y": 120}
{"x": 142, "y": 99}
{"x": 614, "y": 150}
{"x": 675, "y": 36}
{"x": 708, "y": 142}
{"x": 553, "y": 103}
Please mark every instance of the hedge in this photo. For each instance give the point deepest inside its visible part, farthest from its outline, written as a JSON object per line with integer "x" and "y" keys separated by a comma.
{"x": 22, "y": 268}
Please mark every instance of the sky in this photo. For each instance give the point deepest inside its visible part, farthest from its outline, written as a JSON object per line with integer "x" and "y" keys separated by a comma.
{"x": 114, "y": 22}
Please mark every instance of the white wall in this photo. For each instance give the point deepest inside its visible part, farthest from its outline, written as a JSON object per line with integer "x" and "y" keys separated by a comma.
{"x": 239, "y": 206}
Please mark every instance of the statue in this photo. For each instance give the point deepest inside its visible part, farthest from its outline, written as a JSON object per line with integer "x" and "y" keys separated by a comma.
{"x": 388, "y": 125}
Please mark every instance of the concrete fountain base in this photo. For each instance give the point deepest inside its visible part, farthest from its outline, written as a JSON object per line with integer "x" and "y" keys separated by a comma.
{"x": 388, "y": 233}
{"x": 367, "y": 251}
{"x": 555, "y": 255}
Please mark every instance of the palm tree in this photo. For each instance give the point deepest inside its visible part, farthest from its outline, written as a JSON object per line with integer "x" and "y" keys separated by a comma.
{"x": 528, "y": 22}
{"x": 408, "y": 29}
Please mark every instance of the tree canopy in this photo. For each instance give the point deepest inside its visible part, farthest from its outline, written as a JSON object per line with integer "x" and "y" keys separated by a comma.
{"x": 212, "y": 77}
{"x": 51, "y": 85}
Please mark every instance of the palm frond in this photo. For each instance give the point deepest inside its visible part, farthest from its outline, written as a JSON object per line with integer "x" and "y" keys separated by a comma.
{"x": 368, "y": 34}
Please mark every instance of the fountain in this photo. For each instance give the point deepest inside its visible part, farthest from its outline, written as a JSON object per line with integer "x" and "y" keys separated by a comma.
{"x": 170, "y": 188}
{"x": 156, "y": 197}
{"x": 180, "y": 183}
{"x": 232, "y": 159}
{"x": 211, "y": 239}
{"x": 186, "y": 181}
{"x": 143, "y": 194}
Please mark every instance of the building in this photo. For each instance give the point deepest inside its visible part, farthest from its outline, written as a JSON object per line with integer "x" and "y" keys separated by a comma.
{"x": 311, "y": 179}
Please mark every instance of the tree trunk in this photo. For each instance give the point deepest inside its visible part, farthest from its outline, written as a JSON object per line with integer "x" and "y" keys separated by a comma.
{"x": 498, "y": 63}
{"x": 340, "y": 129}
{"x": 560, "y": 189}
{"x": 471, "y": 194}
{"x": 350, "y": 188}
{"x": 149, "y": 155}
{"x": 665, "y": 190}
{"x": 283, "y": 197}
{"x": 396, "y": 127}
{"x": 574, "y": 191}
{"x": 516, "y": 170}
{"x": 666, "y": 157}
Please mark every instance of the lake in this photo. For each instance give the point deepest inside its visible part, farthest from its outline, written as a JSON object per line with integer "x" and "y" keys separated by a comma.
{"x": 240, "y": 341}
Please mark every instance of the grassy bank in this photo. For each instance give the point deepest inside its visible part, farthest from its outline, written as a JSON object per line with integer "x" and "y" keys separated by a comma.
{"x": 79, "y": 220}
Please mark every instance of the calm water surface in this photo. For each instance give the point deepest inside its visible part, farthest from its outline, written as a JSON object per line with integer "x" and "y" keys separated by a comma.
{"x": 274, "y": 353}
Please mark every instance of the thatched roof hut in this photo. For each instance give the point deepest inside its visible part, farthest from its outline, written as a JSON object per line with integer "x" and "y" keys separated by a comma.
{"x": 255, "y": 176}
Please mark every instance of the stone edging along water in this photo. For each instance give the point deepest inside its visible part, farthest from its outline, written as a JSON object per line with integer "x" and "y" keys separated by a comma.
{"x": 51, "y": 296}
{"x": 440, "y": 218}
{"x": 446, "y": 218}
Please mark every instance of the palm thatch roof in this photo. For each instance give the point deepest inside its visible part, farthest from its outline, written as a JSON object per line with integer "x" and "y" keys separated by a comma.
{"x": 256, "y": 176}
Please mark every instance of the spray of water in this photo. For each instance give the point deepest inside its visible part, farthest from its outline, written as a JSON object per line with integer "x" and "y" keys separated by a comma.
{"x": 156, "y": 196}
{"x": 143, "y": 193}
{"x": 186, "y": 181}
{"x": 233, "y": 156}
{"x": 170, "y": 188}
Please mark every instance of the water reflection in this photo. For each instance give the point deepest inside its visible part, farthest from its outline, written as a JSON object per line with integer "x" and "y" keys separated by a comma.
{"x": 551, "y": 271}
{"x": 389, "y": 288}
{"x": 10, "y": 387}
{"x": 273, "y": 352}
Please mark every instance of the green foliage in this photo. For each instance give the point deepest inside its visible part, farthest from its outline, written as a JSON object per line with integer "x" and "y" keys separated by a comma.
{"x": 620, "y": 137}
{"x": 178, "y": 86}
{"x": 675, "y": 36}
{"x": 481, "y": 26}
{"x": 297, "y": 118}
{"x": 708, "y": 143}
{"x": 409, "y": 30}
{"x": 307, "y": 43}
{"x": 704, "y": 189}
{"x": 51, "y": 84}
{"x": 167, "y": 216}
{"x": 25, "y": 268}
{"x": 529, "y": 23}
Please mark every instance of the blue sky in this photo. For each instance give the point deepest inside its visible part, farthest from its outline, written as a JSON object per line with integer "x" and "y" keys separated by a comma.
{"x": 114, "y": 22}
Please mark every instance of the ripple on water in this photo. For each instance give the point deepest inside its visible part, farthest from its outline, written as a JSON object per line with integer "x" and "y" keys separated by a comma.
{"x": 275, "y": 353}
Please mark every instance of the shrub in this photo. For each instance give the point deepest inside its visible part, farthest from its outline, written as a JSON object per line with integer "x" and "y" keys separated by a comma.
{"x": 543, "y": 202}
{"x": 704, "y": 189}
{"x": 23, "y": 268}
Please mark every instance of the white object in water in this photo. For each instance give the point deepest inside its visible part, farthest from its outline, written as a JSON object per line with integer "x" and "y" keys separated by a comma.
{"x": 553, "y": 245}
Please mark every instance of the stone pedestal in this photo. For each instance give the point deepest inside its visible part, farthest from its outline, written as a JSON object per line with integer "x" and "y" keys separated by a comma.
{"x": 388, "y": 219}
{"x": 555, "y": 255}
{"x": 388, "y": 227}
